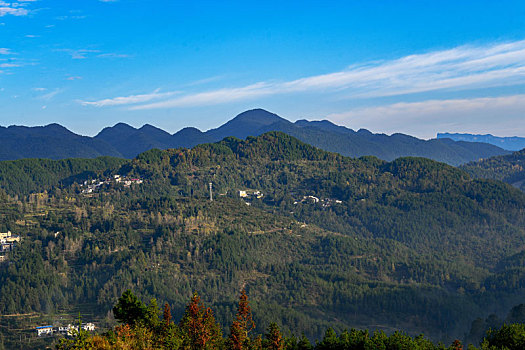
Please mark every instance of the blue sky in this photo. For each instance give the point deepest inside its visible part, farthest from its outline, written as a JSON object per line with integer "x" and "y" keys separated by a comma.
{"x": 417, "y": 67}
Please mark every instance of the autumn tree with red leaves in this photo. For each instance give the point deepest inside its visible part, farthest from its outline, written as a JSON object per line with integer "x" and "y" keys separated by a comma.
{"x": 242, "y": 325}
{"x": 199, "y": 328}
{"x": 456, "y": 345}
{"x": 166, "y": 315}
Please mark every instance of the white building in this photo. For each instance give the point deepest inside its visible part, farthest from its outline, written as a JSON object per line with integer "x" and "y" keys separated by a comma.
{"x": 44, "y": 330}
{"x": 90, "y": 327}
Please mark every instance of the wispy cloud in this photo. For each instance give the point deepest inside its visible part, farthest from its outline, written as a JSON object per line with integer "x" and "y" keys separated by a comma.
{"x": 5, "y": 51}
{"x": 127, "y": 100}
{"x": 79, "y": 54}
{"x": 113, "y": 55}
{"x": 213, "y": 97}
{"x": 9, "y": 65}
{"x": 50, "y": 95}
{"x": 67, "y": 17}
{"x": 460, "y": 68}
{"x": 205, "y": 80}
{"x": 500, "y": 115}
{"x": 17, "y": 8}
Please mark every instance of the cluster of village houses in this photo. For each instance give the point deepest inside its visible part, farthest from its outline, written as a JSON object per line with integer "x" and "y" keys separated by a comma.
{"x": 63, "y": 330}
{"x": 248, "y": 194}
{"x": 94, "y": 185}
{"x": 8, "y": 242}
{"x": 325, "y": 202}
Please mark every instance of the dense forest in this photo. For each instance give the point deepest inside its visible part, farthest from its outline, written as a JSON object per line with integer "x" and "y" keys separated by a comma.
{"x": 509, "y": 168}
{"x": 317, "y": 240}
{"x": 141, "y": 327}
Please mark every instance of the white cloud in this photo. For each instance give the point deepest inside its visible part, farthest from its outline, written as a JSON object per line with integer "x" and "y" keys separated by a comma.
{"x": 17, "y": 8}
{"x": 9, "y": 65}
{"x": 497, "y": 115}
{"x": 75, "y": 17}
{"x": 78, "y": 54}
{"x": 117, "y": 101}
{"x": 113, "y": 55}
{"x": 460, "y": 68}
{"x": 213, "y": 97}
{"x": 81, "y": 54}
{"x": 5, "y": 51}
{"x": 5, "y": 10}
{"x": 50, "y": 95}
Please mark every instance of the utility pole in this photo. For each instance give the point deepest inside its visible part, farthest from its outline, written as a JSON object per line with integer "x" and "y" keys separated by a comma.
{"x": 211, "y": 192}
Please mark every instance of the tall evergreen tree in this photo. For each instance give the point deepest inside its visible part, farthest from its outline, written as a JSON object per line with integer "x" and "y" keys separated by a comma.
{"x": 273, "y": 338}
{"x": 199, "y": 328}
{"x": 242, "y": 325}
{"x": 130, "y": 309}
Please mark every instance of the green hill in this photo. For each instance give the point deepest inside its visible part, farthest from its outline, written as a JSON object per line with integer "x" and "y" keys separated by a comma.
{"x": 509, "y": 168}
{"x": 319, "y": 239}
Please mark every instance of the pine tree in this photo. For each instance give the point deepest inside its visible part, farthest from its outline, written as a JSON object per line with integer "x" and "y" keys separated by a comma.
{"x": 199, "y": 328}
{"x": 166, "y": 315}
{"x": 273, "y": 338}
{"x": 130, "y": 309}
{"x": 243, "y": 324}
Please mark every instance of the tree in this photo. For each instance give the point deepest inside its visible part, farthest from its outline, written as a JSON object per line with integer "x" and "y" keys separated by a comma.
{"x": 509, "y": 337}
{"x": 199, "y": 328}
{"x": 456, "y": 345}
{"x": 130, "y": 309}
{"x": 273, "y": 338}
{"x": 242, "y": 325}
{"x": 330, "y": 340}
{"x": 166, "y": 315}
{"x": 152, "y": 314}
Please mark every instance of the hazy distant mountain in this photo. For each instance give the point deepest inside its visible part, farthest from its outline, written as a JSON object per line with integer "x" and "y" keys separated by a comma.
{"x": 130, "y": 141}
{"x": 509, "y": 143}
{"x": 250, "y": 123}
{"x": 126, "y": 141}
{"x": 52, "y": 141}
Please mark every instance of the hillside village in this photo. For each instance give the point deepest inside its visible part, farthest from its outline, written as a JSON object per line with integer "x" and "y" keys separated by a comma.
{"x": 8, "y": 242}
{"x": 68, "y": 330}
{"x": 324, "y": 202}
{"x": 89, "y": 187}
{"x": 249, "y": 195}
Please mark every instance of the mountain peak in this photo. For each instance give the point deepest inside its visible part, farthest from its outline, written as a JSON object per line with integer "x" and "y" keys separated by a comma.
{"x": 153, "y": 131}
{"x": 122, "y": 126}
{"x": 118, "y": 129}
{"x": 258, "y": 115}
{"x": 246, "y": 124}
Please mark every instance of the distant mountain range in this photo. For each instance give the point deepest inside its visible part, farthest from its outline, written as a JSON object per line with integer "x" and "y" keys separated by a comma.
{"x": 56, "y": 142}
{"x": 509, "y": 143}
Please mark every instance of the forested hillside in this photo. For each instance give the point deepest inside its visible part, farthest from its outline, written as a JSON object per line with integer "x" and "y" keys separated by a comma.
{"x": 509, "y": 168}
{"x": 317, "y": 239}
